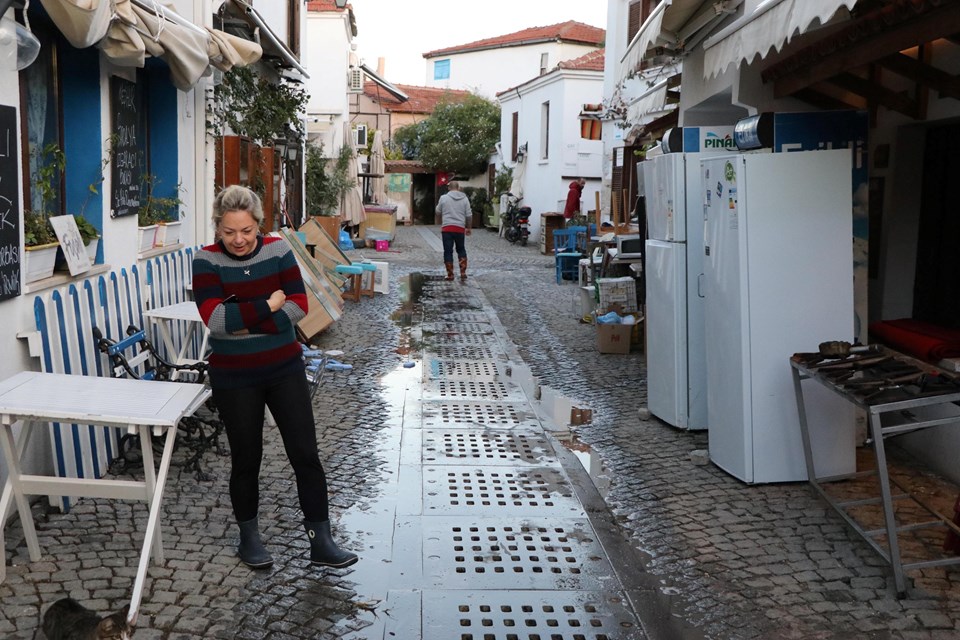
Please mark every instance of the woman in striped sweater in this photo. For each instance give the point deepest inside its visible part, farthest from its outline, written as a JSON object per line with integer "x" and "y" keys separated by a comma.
{"x": 250, "y": 295}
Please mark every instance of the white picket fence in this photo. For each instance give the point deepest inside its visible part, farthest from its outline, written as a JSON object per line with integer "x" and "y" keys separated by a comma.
{"x": 65, "y": 318}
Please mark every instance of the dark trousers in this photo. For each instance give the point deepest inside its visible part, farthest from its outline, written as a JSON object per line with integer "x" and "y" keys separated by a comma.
{"x": 242, "y": 412}
{"x": 451, "y": 239}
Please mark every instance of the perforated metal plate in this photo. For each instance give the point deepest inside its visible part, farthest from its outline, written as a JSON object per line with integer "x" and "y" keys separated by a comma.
{"x": 478, "y": 369}
{"x": 491, "y": 447}
{"x": 475, "y": 491}
{"x": 457, "y": 327}
{"x": 465, "y": 353}
{"x": 527, "y": 615}
{"x": 491, "y": 415}
{"x": 513, "y": 553}
{"x": 451, "y": 339}
{"x": 472, "y": 389}
{"x": 465, "y": 316}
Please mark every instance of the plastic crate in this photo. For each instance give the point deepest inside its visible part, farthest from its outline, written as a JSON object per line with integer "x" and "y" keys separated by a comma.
{"x": 621, "y": 291}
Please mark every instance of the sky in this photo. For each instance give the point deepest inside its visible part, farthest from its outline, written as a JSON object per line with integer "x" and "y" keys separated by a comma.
{"x": 402, "y": 31}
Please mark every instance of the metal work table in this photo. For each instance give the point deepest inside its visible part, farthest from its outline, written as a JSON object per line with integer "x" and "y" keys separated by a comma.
{"x": 887, "y": 385}
{"x": 38, "y": 398}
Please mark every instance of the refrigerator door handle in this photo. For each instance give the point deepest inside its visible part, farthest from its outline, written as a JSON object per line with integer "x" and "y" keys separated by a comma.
{"x": 700, "y": 285}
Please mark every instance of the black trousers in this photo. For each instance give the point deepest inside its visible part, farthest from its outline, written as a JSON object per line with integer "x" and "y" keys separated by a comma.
{"x": 242, "y": 412}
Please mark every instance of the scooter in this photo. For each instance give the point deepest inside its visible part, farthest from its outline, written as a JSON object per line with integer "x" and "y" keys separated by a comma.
{"x": 517, "y": 221}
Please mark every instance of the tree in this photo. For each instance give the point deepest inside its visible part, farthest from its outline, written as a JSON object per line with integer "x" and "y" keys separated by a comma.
{"x": 326, "y": 180}
{"x": 457, "y": 137}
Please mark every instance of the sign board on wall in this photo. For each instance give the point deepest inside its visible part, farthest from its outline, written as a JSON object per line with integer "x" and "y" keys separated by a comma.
{"x": 127, "y": 162}
{"x": 709, "y": 139}
{"x": 9, "y": 205}
{"x": 74, "y": 250}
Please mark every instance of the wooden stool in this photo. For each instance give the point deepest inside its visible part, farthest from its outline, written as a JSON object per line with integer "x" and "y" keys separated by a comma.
{"x": 369, "y": 269}
{"x": 356, "y": 280}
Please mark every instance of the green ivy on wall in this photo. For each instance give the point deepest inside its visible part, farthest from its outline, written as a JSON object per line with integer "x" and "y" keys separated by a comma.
{"x": 250, "y": 105}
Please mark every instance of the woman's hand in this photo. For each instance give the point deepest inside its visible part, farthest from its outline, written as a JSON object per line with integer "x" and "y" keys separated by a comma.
{"x": 276, "y": 300}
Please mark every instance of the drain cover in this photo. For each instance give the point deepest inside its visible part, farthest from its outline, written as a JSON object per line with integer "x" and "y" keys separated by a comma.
{"x": 464, "y": 340}
{"x": 483, "y": 414}
{"x": 503, "y": 553}
{"x": 483, "y": 491}
{"x": 471, "y": 389}
{"x": 528, "y": 615}
{"x": 457, "y": 327}
{"x": 466, "y": 369}
{"x": 495, "y": 447}
{"x": 462, "y": 316}
{"x": 464, "y": 353}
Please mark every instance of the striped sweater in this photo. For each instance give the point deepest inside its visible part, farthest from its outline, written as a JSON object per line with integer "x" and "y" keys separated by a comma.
{"x": 269, "y": 350}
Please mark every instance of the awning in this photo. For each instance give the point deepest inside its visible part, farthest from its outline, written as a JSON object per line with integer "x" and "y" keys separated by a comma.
{"x": 264, "y": 36}
{"x": 127, "y": 31}
{"x": 650, "y": 105}
{"x": 389, "y": 88}
{"x": 675, "y": 25}
{"x": 770, "y": 25}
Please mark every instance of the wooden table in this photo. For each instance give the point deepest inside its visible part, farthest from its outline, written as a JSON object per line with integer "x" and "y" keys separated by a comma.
{"x": 166, "y": 317}
{"x": 894, "y": 402}
{"x": 140, "y": 405}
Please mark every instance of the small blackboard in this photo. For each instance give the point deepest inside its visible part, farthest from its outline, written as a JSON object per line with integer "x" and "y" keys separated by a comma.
{"x": 125, "y": 102}
{"x": 10, "y": 254}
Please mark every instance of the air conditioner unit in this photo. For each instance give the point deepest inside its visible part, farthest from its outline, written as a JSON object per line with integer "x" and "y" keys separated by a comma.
{"x": 360, "y": 136}
{"x": 355, "y": 80}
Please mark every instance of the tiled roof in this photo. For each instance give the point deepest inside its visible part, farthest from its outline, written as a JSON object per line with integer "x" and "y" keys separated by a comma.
{"x": 324, "y": 5}
{"x": 592, "y": 61}
{"x": 569, "y": 31}
{"x": 422, "y": 99}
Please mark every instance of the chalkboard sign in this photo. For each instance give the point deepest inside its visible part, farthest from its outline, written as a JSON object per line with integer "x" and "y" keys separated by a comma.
{"x": 9, "y": 205}
{"x": 125, "y": 102}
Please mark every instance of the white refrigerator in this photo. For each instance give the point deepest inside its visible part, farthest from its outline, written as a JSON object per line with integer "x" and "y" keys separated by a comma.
{"x": 676, "y": 363}
{"x": 778, "y": 279}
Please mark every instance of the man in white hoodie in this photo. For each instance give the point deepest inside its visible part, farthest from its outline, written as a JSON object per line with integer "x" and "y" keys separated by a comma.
{"x": 456, "y": 218}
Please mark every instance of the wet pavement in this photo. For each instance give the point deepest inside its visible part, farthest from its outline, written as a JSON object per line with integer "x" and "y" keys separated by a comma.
{"x": 478, "y": 512}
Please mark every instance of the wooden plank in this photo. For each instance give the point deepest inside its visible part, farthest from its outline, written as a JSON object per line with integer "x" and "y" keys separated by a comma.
{"x": 315, "y": 279}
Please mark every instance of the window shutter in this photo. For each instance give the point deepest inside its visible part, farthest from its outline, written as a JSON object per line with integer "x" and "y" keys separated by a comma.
{"x": 634, "y": 19}
{"x": 514, "y": 135}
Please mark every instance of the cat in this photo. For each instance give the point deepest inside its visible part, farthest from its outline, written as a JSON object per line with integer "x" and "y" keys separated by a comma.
{"x": 67, "y": 619}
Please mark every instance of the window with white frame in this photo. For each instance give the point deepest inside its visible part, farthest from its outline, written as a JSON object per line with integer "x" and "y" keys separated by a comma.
{"x": 544, "y": 61}
{"x": 545, "y": 130}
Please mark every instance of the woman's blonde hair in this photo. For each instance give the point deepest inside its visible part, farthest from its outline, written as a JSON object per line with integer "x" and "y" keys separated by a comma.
{"x": 237, "y": 198}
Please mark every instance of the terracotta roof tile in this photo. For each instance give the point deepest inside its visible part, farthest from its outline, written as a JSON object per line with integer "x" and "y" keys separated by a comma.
{"x": 324, "y": 5}
{"x": 592, "y": 61}
{"x": 422, "y": 99}
{"x": 569, "y": 31}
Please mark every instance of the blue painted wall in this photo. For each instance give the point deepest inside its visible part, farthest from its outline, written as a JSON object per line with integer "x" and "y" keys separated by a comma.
{"x": 161, "y": 100}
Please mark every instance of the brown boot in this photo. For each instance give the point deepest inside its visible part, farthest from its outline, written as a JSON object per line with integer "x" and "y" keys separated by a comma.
{"x": 449, "y": 266}
{"x": 463, "y": 269}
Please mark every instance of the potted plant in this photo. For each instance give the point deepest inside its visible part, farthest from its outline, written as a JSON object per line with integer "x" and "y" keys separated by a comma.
{"x": 158, "y": 219}
{"x": 39, "y": 240}
{"x": 89, "y": 235}
{"x": 326, "y": 182}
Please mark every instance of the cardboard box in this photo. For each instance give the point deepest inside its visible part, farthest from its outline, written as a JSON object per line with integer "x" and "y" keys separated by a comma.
{"x": 614, "y": 338}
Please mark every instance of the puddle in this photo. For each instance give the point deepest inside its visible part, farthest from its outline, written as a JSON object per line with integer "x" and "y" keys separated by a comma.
{"x": 589, "y": 460}
{"x": 411, "y": 290}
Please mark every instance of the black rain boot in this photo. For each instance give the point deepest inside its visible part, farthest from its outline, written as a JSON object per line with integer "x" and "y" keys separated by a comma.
{"x": 251, "y": 550}
{"x": 323, "y": 550}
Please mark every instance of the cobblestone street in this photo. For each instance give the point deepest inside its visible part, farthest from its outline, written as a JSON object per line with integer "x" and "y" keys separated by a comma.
{"x": 718, "y": 559}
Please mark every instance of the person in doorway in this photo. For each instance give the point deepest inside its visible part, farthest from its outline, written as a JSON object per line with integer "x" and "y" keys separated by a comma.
{"x": 456, "y": 220}
{"x": 250, "y": 294}
{"x": 572, "y": 206}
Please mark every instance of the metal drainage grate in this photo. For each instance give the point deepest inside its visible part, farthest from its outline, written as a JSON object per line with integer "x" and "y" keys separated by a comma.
{"x": 484, "y": 414}
{"x": 480, "y": 491}
{"x": 457, "y": 327}
{"x": 465, "y": 369}
{"x": 557, "y": 554}
{"x": 464, "y": 353}
{"x": 470, "y": 389}
{"x": 462, "y": 316}
{"x": 528, "y": 615}
{"x": 464, "y": 340}
{"x": 488, "y": 448}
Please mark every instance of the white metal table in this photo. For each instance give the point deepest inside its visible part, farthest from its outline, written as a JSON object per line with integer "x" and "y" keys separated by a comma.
{"x": 891, "y": 388}
{"x": 145, "y": 406}
{"x": 166, "y": 317}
